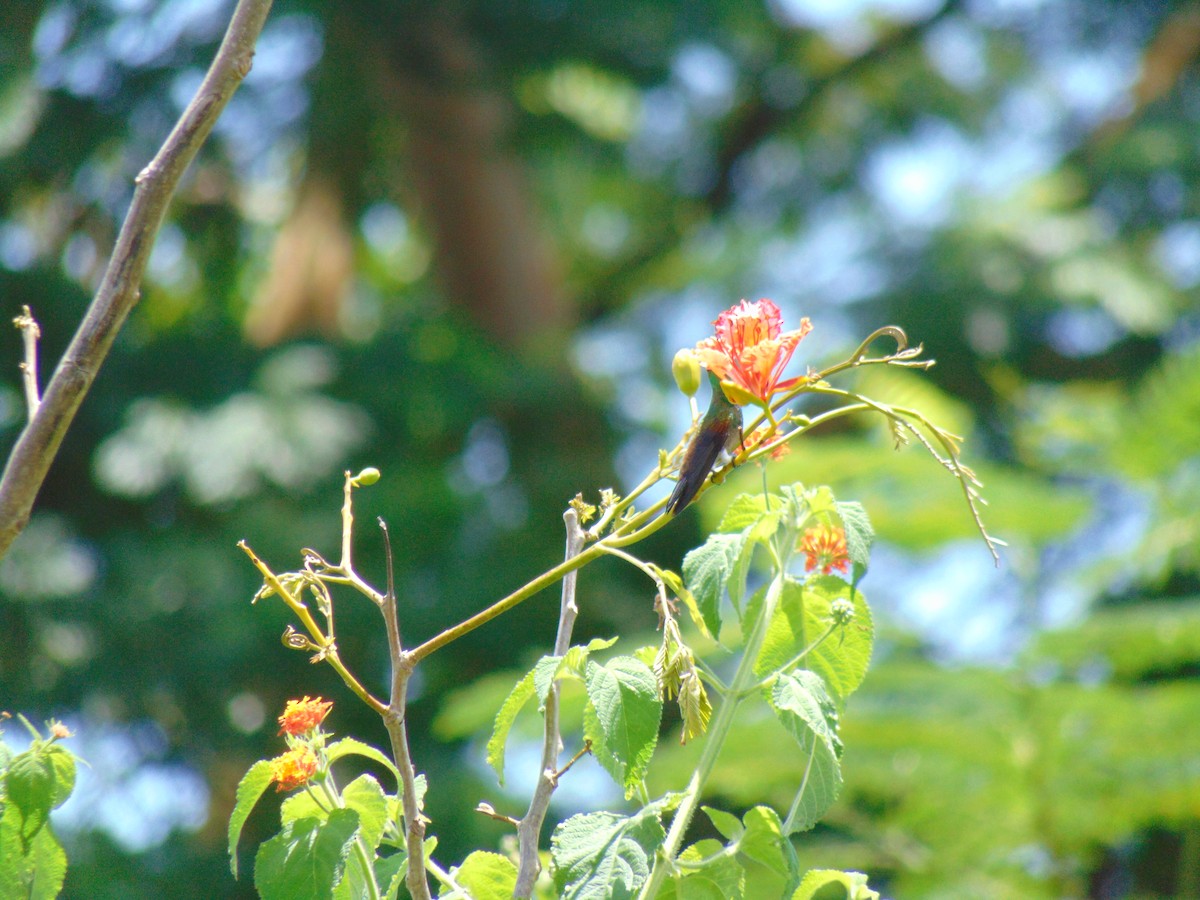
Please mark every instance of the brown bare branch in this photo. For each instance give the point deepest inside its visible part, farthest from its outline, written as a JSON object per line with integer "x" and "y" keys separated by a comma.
{"x": 119, "y": 288}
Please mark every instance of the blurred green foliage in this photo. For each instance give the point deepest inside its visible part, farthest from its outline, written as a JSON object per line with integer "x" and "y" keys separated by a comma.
{"x": 462, "y": 242}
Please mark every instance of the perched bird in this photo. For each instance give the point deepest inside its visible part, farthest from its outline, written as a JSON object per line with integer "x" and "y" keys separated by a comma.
{"x": 721, "y": 429}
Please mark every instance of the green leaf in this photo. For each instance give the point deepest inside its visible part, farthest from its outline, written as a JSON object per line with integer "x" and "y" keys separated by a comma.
{"x": 544, "y": 675}
{"x": 747, "y": 510}
{"x": 62, "y": 761}
{"x": 536, "y": 682}
{"x": 622, "y": 717}
{"x": 830, "y": 884}
{"x": 30, "y": 783}
{"x": 603, "y": 855}
{"x": 249, "y": 789}
{"x": 721, "y": 878}
{"x": 859, "y": 535}
{"x": 577, "y": 657}
{"x": 306, "y": 859}
{"x": 706, "y": 571}
{"x": 365, "y": 796}
{"x": 803, "y": 615}
{"x": 757, "y": 839}
{"x": 726, "y": 823}
{"x": 33, "y": 869}
{"x": 349, "y": 746}
{"x": 808, "y": 713}
{"x": 301, "y": 805}
{"x": 389, "y": 873}
{"x": 485, "y": 876}
{"x": 520, "y": 695}
{"x": 764, "y": 842}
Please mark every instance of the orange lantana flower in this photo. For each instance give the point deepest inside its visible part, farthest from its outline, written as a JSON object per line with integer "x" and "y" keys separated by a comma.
{"x": 293, "y": 769}
{"x": 751, "y": 349}
{"x": 301, "y": 716}
{"x": 825, "y": 549}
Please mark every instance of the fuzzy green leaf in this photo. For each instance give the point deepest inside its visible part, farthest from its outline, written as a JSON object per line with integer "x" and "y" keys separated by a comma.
{"x": 804, "y": 614}
{"x": 603, "y": 855}
{"x": 485, "y": 876}
{"x": 622, "y": 717}
{"x": 35, "y": 869}
{"x": 349, "y": 746}
{"x": 249, "y": 789}
{"x": 846, "y": 886}
{"x": 307, "y": 859}
{"x": 520, "y": 695}
{"x": 706, "y": 571}
{"x": 806, "y": 710}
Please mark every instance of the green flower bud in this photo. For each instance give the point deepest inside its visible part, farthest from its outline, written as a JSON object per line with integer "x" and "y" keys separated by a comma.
{"x": 686, "y": 369}
{"x": 842, "y": 611}
{"x": 367, "y": 476}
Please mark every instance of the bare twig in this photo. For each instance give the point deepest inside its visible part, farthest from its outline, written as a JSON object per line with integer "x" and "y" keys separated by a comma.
{"x": 393, "y": 719}
{"x": 119, "y": 289}
{"x": 30, "y": 332}
{"x": 529, "y": 829}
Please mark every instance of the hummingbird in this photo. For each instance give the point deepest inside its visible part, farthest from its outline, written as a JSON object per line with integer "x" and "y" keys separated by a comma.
{"x": 720, "y": 429}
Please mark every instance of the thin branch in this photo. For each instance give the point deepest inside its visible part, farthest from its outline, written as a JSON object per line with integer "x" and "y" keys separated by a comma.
{"x": 393, "y": 719}
{"x": 119, "y": 288}
{"x": 390, "y": 617}
{"x": 529, "y": 829}
{"x": 30, "y": 332}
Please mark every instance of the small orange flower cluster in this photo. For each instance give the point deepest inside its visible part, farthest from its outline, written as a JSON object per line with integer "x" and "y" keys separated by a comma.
{"x": 824, "y": 547}
{"x": 301, "y": 716}
{"x": 300, "y": 721}
{"x": 294, "y": 768}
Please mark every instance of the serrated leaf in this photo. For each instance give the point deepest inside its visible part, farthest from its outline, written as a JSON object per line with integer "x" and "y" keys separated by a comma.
{"x": 746, "y": 510}
{"x": 820, "y": 501}
{"x": 365, "y": 796}
{"x": 35, "y": 869}
{"x": 485, "y": 876}
{"x": 804, "y": 614}
{"x": 727, "y": 824}
{"x": 859, "y": 535}
{"x": 349, "y": 746}
{"x": 765, "y": 843}
{"x": 854, "y": 885}
{"x": 808, "y": 713}
{"x": 301, "y": 805}
{"x": 307, "y": 859}
{"x": 544, "y": 672}
{"x": 30, "y": 786}
{"x": 603, "y": 855}
{"x": 389, "y": 873}
{"x": 576, "y": 659}
{"x": 249, "y": 789}
{"x": 517, "y": 698}
{"x": 622, "y": 717}
{"x": 721, "y": 878}
{"x": 758, "y": 533}
{"x": 706, "y": 571}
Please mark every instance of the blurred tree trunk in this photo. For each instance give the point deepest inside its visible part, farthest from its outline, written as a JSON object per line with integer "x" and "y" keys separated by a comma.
{"x": 492, "y": 256}
{"x": 464, "y": 178}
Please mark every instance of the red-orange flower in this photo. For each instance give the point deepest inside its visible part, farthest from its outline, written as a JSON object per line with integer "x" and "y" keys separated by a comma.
{"x": 301, "y": 716}
{"x": 293, "y": 769}
{"x": 751, "y": 349}
{"x": 825, "y": 548}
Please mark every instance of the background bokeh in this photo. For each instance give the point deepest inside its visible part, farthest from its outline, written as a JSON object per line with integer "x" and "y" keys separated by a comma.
{"x": 462, "y": 241}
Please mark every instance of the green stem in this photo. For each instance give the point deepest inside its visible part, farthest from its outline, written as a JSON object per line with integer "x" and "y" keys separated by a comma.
{"x": 361, "y": 853}
{"x": 717, "y": 733}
